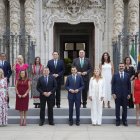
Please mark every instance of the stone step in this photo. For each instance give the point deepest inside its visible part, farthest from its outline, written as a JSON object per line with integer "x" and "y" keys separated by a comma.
{"x": 64, "y": 120}
{"x": 65, "y": 112}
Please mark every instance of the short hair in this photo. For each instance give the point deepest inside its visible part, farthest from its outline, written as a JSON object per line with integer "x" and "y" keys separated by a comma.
{"x": 73, "y": 67}
{"x": 56, "y": 52}
{"x": 121, "y": 63}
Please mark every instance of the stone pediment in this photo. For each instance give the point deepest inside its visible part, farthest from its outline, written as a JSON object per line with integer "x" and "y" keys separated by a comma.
{"x": 74, "y": 7}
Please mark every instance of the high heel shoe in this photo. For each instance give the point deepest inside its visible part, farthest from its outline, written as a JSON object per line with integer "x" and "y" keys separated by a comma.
{"x": 21, "y": 122}
{"x": 24, "y": 123}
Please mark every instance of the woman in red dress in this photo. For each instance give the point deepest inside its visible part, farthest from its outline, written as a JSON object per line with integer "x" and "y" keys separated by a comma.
{"x": 136, "y": 96}
{"x": 22, "y": 95}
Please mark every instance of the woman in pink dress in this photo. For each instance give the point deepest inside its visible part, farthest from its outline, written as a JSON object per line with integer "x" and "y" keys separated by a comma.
{"x": 3, "y": 99}
{"x": 136, "y": 96}
{"x": 22, "y": 88}
{"x": 20, "y": 65}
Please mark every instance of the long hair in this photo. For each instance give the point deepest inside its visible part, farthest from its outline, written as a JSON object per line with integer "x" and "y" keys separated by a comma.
{"x": 1, "y": 73}
{"x": 26, "y": 77}
{"x": 100, "y": 75}
{"x": 108, "y": 58}
{"x": 36, "y": 59}
{"x": 127, "y": 58}
{"x": 137, "y": 73}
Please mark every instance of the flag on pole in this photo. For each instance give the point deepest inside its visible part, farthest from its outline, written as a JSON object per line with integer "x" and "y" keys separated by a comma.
{"x": 133, "y": 53}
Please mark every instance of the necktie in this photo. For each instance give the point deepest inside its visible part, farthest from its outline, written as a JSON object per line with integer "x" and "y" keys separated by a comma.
{"x": 2, "y": 63}
{"x": 46, "y": 80}
{"x": 74, "y": 78}
{"x": 81, "y": 63}
{"x": 121, "y": 75}
{"x": 55, "y": 63}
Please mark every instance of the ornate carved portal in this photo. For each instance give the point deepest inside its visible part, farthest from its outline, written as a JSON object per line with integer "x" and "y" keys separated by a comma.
{"x": 74, "y": 12}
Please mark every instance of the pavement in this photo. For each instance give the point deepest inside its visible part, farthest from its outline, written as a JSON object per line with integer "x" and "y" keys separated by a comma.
{"x": 66, "y": 132}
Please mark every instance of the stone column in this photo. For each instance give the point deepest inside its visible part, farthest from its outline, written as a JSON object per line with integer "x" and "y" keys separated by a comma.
{"x": 30, "y": 18}
{"x": 14, "y": 28}
{"x": 29, "y": 24}
{"x": 133, "y": 16}
{"x": 118, "y": 18}
{"x": 2, "y": 23}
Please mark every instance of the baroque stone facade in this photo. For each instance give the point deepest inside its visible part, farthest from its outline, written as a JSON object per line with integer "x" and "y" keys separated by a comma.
{"x": 40, "y": 17}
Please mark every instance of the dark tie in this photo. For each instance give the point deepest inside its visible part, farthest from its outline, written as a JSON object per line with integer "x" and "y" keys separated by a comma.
{"x": 46, "y": 80}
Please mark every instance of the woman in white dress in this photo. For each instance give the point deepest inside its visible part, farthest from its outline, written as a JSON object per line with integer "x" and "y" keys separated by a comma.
{"x": 96, "y": 96}
{"x": 3, "y": 99}
{"x": 107, "y": 70}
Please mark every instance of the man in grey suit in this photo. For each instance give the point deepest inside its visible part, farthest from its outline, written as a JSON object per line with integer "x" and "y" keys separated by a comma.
{"x": 84, "y": 68}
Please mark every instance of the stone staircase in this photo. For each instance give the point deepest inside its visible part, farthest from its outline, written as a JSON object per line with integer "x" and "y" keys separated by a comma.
{"x": 61, "y": 116}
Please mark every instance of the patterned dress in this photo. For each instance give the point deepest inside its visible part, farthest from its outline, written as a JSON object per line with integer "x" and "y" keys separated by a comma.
{"x": 37, "y": 71}
{"x": 3, "y": 102}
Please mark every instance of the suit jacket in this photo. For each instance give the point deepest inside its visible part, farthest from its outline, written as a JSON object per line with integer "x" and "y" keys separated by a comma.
{"x": 59, "y": 68}
{"x": 49, "y": 87}
{"x": 7, "y": 69}
{"x": 122, "y": 88}
{"x": 86, "y": 67}
{"x": 70, "y": 84}
{"x": 93, "y": 92}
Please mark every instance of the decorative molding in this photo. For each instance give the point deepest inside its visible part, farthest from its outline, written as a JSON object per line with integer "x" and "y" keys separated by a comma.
{"x": 30, "y": 18}
{"x": 74, "y": 12}
{"x": 133, "y": 16}
{"x": 118, "y": 18}
{"x": 14, "y": 16}
{"x": 2, "y": 18}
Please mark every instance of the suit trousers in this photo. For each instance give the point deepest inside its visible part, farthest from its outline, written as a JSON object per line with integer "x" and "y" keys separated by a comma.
{"x": 121, "y": 101}
{"x": 58, "y": 93}
{"x": 85, "y": 92}
{"x": 43, "y": 101}
{"x": 96, "y": 111}
{"x": 77, "y": 107}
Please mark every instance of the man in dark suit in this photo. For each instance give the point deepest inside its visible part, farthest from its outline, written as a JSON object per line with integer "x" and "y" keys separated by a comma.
{"x": 74, "y": 85}
{"x": 56, "y": 67}
{"x": 46, "y": 85}
{"x": 84, "y": 68}
{"x": 121, "y": 90}
{"x": 5, "y": 65}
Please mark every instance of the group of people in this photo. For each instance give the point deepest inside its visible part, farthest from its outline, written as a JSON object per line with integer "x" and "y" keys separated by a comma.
{"x": 45, "y": 86}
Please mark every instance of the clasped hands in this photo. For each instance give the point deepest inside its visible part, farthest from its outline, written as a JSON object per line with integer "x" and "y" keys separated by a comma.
{"x": 47, "y": 94}
{"x": 114, "y": 96}
{"x": 22, "y": 96}
{"x": 90, "y": 98}
{"x": 55, "y": 75}
{"x": 74, "y": 91}
{"x": 82, "y": 73}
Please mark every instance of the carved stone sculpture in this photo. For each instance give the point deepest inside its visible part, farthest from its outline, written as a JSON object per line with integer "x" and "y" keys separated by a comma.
{"x": 14, "y": 16}
{"x": 2, "y": 18}
{"x": 30, "y": 18}
{"x": 133, "y": 16}
{"x": 118, "y": 18}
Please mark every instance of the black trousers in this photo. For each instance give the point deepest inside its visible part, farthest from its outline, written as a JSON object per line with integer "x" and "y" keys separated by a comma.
{"x": 122, "y": 101}
{"x": 77, "y": 107}
{"x": 130, "y": 102}
{"x": 58, "y": 93}
{"x": 85, "y": 92}
{"x": 43, "y": 101}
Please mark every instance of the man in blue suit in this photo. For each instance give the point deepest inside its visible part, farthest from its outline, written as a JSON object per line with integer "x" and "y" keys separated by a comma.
{"x": 74, "y": 85}
{"x": 121, "y": 90}
{"x": 5, "y": 65}
{"x": 46, "y": 85}
{"x": 56, "y": 67}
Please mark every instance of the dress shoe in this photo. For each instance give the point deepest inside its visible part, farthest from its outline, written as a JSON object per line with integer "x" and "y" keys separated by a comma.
{"x": 41, "y": 123}
{"x": 77, "y": 123}
{"x": 52, "y": 123}
{"x": 84, "y": 106}
{"x": 117, "y": 124}
{"x": 58, "y": 106}
{"x": 125, "y": 124}
{"x": 70, "y": 123}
